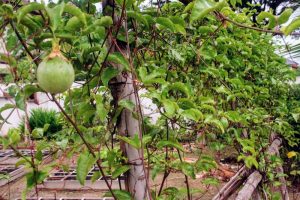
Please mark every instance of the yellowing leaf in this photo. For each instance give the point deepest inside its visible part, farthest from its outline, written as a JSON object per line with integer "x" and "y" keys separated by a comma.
{"x": 291, "y": 154}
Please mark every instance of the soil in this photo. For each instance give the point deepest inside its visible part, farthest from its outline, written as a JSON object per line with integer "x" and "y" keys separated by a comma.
{"x": 14, "y": 189}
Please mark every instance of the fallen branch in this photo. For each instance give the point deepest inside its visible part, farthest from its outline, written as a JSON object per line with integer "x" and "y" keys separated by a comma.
{"x": 250, "y": 185}
{"x": 255, "y": 178}
{"x": 236, "y": 181}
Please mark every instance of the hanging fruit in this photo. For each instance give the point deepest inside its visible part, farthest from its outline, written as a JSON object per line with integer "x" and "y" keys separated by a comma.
{"x": 55, "y": 74}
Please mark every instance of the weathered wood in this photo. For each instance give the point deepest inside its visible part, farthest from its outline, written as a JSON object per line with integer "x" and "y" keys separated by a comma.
{"x": 283, "y": 187}
{"x": 236, "y": 181}
{"x": 250, "y": 185}
{"x": 229, "y": 188}
{"x": 256, "y": 195}
{"x": 279, "y": 170}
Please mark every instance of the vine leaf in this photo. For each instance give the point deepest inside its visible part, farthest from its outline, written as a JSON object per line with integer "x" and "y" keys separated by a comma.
{"x": 120, "y": 170}
{"x": 193, "y": 114}
{"x": 170, "y": 107}
{"x": 108, "y": 74}
{"x": 30, "y": 89}
{"x": 95, "y": 176}
{"x": 267, "y": 15}
{"x": 125, "y": 103}
{"x": 188, "y": 169}
{"x": 134, "y": 141}
{"x": 75, "y": 11}
{"x": 105, "y": 21}
{"x": 84, "y": 164}
{"x": 27, "y": 9}
{"x": 285, "y": 15}
{"x": 164, "y": 143}
{"x": 55, "y": 15}
{"x": 166, "y": 22}
{"x": 118, "y": 58}
{"x": 139, "y": 17}
{"x": 203, "y": 7}
{"x": 120, "y": 194}
{"x": 291, "y": 27}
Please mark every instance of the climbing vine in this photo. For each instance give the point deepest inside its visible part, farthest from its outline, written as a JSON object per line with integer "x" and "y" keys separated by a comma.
{"x": 210, "y": 73}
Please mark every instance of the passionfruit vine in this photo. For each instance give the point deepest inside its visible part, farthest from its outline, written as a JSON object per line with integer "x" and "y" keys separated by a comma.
{"x": 55, "y": 74}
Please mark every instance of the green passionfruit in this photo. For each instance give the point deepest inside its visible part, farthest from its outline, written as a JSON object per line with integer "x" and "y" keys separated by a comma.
{"x": 55, "y": 74}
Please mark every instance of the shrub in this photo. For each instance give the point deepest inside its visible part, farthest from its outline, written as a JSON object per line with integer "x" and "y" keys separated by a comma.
{"x": 40, "y": 117}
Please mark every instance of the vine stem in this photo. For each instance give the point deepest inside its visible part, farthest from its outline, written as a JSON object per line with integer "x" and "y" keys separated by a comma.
{"x": 222, "y": 17}
{"x": 166, "y": 173}
{"x": 89, "y": 147}
{"x": 23, "y": 42}
{"x": 186, "y": 177}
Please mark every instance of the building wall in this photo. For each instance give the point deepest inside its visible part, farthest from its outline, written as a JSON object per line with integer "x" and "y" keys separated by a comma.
{"x": 14, "y": 117}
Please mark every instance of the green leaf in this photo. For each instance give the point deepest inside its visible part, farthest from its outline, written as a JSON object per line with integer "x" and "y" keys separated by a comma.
{"x": 75, "y": 11}
{"x": 100, "y": 108}
{"x": 285, "y": 15}
{"x": 63, "y": 143}
{"x": 118, "y": 58}
{"x": 55, "y": 15}
{"x": 188, "y": 169}
{"x": 134, "y": 141}
{"x": 20, "y": 102}
{"x": 170, "y": 107}
{"x": 138, "y": 17}
{"x": 108, "y": 74}
{"x": 7, "y": 10}
{"x": 14, "y": 136}
{"x": 34, "y": 178}
{"x": 296, "y": 116}
{"x": 39, "y": 155}
{"x": 178, "y": 86}
{"x": 203, "y": 7}
{"x": 37, "y": 133}
{"x": 30, "y": 89}
{"x": 233, "y": 116}
{"x": 27, "y": 9}
{"x": 96, "y": 176}
{"x": 21, "y": 161}
{"x": 120, "y": 194}
{"x": 210, "y": 181}
{"x": 73, "y": 24}
{"x": 251, "y": 161}
{"x": 193, "y": 114}
{"x": 267, "y": 15}
{"x": 146, "y": 139}
{"x": 222, "y": 89}
{"x": 291, "y": 27}
{"x": 120, "y": 170}
{"x": 215, "y": 122}
{"x": 84, "y": 164}
{"x": 105, "y": 21}
{"x": 6, "y": 107}
{"x": 165, "y": 143}
{"x": 166, "y": 22}
{"x": 125, "y": 103}
{"x": 8, "y": 59}
{"x": 28, "y": 22}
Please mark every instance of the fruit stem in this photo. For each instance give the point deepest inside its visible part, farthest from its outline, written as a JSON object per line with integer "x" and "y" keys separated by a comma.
{"x": 56, "y": 50}
{"x": 55, "y": 45}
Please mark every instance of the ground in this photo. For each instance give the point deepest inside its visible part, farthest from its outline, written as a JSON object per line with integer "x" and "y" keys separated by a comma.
{"x": 14, "y": 190}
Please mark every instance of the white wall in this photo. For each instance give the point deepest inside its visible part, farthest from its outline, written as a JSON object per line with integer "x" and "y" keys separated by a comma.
{"x": 14, "y": 117}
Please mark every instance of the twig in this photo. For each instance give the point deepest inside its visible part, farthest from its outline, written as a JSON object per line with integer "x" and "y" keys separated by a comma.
{"x": 222, "y": 17}
{"x": 90, "y": 148}
{"x": 22, "y": 42}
